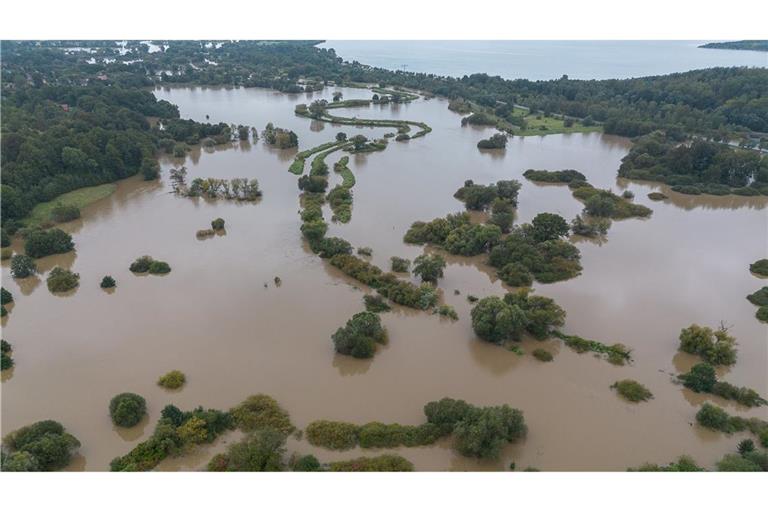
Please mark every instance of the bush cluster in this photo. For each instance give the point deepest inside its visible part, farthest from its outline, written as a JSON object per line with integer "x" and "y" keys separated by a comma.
{"x": 108, "y": 282}
{"x": 261, "y": 450}
{"x": 175, "y": 430}
{"x": 400, "y": 264}
{"x": 703, "y": 379}
{"x": 616, "y": 354}
{"x": 632, "y": 390}
{"x": 478, "y": 431}
{"x": 148, "y": 264}
{"x": 42, "y": 446}
{"x": 543, "y": 355}
{"x": 715, "y": 418}
{"x": 65, "y": 213}
{"x": 480, "y": 197}
{"x": 62, "y": 280}
{"x": 358, "y": 338}
{"x": 6, "y": 361}
{"x": 546, "y": 259}
{"x": 380, "y": 463}
{"x": 387, "y": 284}
{"x": 497, "y": 320}
{"x": 376, "y": 303}
{"x": 760, "y": 267}
{"x": 172, "y": 380}
{"x": 564, "y": 176}
{"x": 6, "y": 297}
{"x": 495, "y": 141}
{"x": 127, "y": 409}
{"x": 260, "y": 412}
{"x": 41, "y": 243}
{"x": 22, "y": 266}
{"x": 715, "y": 347}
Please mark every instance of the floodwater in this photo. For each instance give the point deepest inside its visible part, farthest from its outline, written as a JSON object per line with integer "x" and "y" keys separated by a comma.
{"x": 544, "y": 60}
{"x": 219, "y": 317}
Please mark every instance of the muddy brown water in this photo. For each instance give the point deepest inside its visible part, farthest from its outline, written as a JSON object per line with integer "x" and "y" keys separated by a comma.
{"x": 213, "y": 318}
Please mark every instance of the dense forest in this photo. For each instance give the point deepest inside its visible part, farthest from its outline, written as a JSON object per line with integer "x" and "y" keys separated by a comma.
{"x": 75, "y": 113}
{"x": 702, "y": 166}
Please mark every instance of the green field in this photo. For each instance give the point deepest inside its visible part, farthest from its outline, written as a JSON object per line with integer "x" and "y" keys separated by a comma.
{"x": 551, "y": 126}
{"x": 81, "y": 198}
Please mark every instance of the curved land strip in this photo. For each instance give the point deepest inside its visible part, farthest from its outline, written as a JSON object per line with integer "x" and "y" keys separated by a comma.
{"x": 297, "y": 167}
{"x": 323, "y": 115}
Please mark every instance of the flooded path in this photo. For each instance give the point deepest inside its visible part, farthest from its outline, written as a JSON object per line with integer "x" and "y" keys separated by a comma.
{"x": 213, "y": 318}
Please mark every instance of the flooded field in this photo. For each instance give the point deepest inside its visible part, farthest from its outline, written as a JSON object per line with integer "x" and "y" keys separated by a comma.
{"x": 219, "y": 317}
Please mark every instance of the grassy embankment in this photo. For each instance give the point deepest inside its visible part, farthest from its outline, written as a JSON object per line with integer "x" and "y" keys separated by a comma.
{"x": 81, "y": 197}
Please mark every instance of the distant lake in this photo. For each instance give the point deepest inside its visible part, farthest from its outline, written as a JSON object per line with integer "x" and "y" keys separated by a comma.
{"x": 543, "y": 60}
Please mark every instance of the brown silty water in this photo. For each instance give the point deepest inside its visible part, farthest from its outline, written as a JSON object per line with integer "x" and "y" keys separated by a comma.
{"x": 213, "y": 317}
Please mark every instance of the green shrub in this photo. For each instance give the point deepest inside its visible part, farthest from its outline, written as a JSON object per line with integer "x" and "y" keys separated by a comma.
{"x": 760, "y": 297}
{"x": 632, "y": 390}
{"x": 108, "y": 282}
{"x": 376, "y": 303}
{"x": 496, "y": 321}
{"x": 483, "y": 431}
{"x": 307, "y": 463}
{"x": 548, "y": 226}
{"x": 616, "y": 354}
{"x": 65, "y": 213}
{"x": 656, "y": 196}
{"x": 760, "y": 267}
{"x": 159, "y": 267}
{"x": 480, "y": 197}
{"x": 172, "y": 380}
{"x": 6, "y": 253}
{"x": 447, "y": 311}
{"x": 22, "y": 266}
{"x": 400, "y": 292}
{"x": 41, "y": 446}
{"x": 564, "y": 176}
{"x": 591, "y": 228}
{"x": 762, "y": 313}
{"x": 331, "y": 246}
{"x": 684, "y": 463}
{"x": 380, "y": 463}
{"x": 714, "y": 418}
{"x": 543, "y": 355}
{"x": 174, "y": 431}
{"x": 141, "y": 264}
{"x": 700, "y": 379}
{"x": 400, "y": 264}
{"x": 548, "y": 261}
{"x": 745, "y": 396}
{"x": 359, "y": 336}
{"x": 515, "y": 274}
{"x": 715, "y": 347}
{"x": 5, "y": 240}
{"x": 334, "y": 435}
{"x": 217, "y": 223}
{"x": 127, "y": 409}
{"x": 260, "y": 412}
{"x": 5, "y": 296}
{"x": 365, "y": 251}
{"x": 62, "y": 280}
{"x": 736, "y": 462}
{"x": 496, "y": 141}
{"x": 429, "y": 267}
{"x": 6, "y": 361}
{"x": 262, "y": 450}
{"x": 43, "y": 243}
{"x": 446, "y": 412}
{"x": 472, "y": 239}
